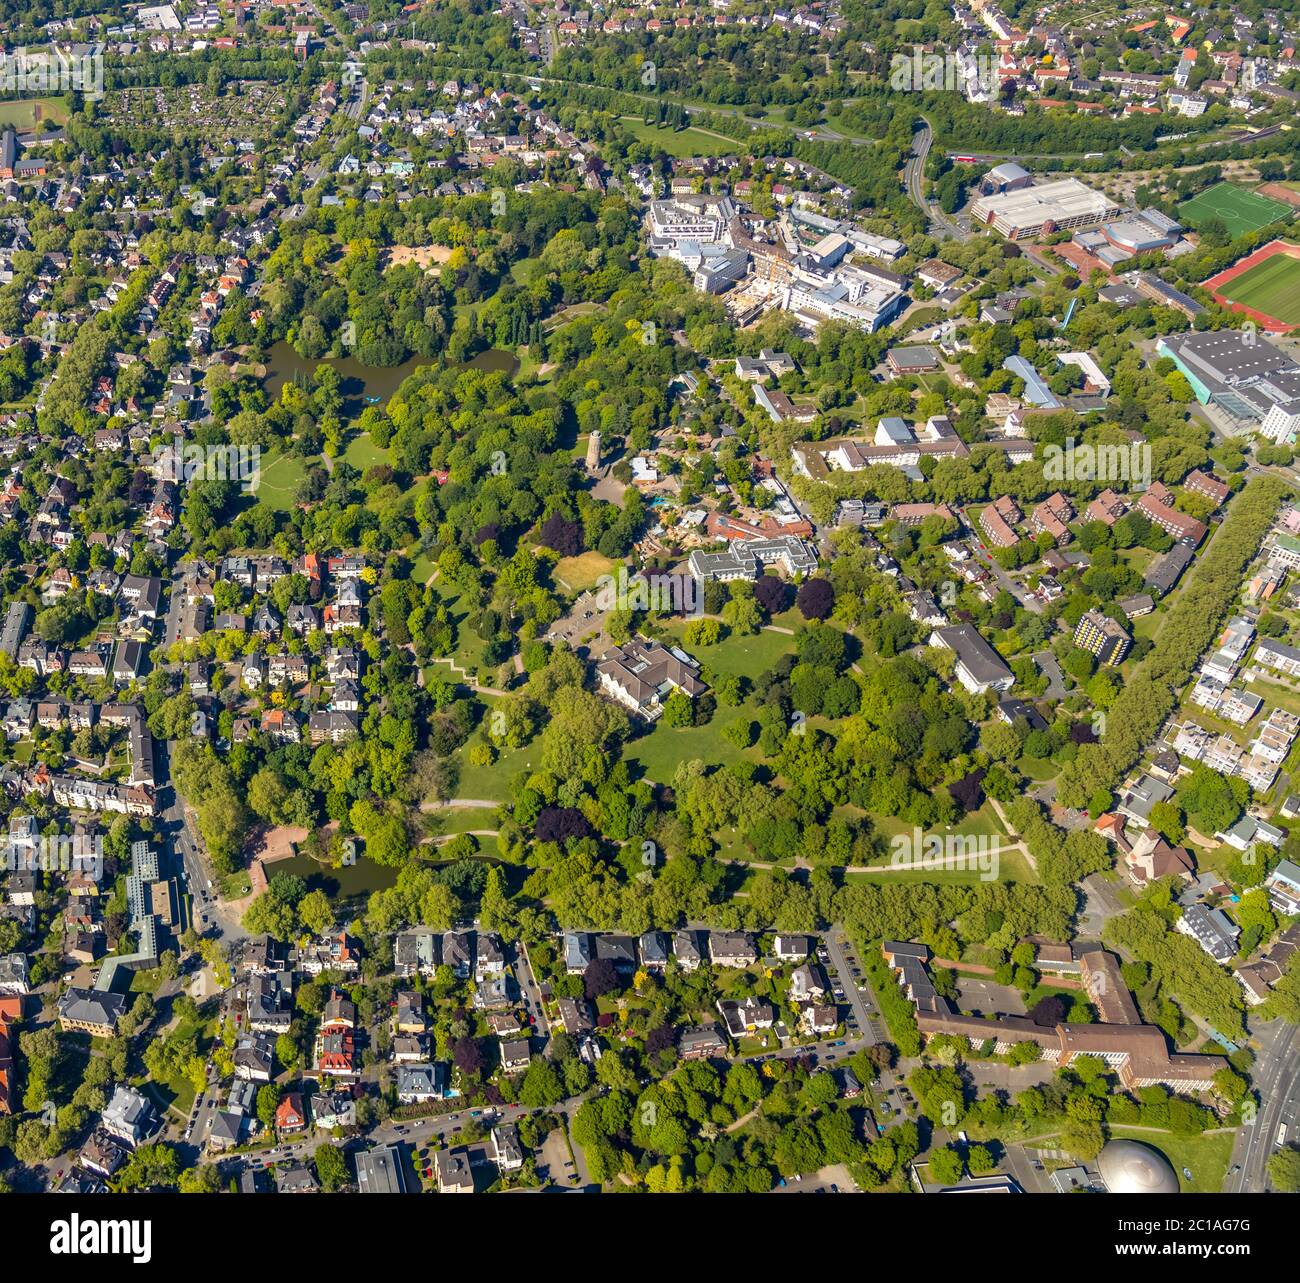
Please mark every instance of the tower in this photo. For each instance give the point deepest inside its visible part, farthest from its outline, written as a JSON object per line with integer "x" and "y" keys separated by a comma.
{"x": 593, "y": 450}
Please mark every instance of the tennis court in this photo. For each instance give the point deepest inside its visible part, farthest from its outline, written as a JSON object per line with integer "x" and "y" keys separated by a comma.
{"x": 1240, "y": 210}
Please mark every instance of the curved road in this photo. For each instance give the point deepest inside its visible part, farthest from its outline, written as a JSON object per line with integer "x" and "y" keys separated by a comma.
{"x": 914, "y": 179}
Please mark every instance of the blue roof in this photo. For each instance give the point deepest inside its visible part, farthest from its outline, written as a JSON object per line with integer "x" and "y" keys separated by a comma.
{"x": 1035, "y": 389}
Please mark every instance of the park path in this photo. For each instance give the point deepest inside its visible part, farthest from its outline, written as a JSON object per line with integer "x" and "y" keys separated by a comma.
{"x": 477, "y": 803}
{"x": 464, "y": 676}
{"x": 439, "y": 838}
{"x": 1019, "y": 844}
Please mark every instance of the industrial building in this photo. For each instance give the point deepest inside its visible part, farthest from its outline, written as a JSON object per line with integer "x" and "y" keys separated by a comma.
{"x": 1007, "y": 177}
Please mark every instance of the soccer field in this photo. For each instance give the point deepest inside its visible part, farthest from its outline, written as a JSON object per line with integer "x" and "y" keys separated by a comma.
{"x": 1240, "y": 210}
{"x": 1271, "y": 287}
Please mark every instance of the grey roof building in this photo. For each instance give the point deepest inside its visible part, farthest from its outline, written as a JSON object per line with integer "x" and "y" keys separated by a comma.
{"x": 979, "y": 667}
{"x": 379, "y": 1170}
{"x": 1211, "y": 929}
{"x": 577, "y": 951}
{"x": 746, "y": 559}
{"x": 1243, "y": 374}
{"x": 129, "y": 1116}
{"x": 419, "y": 1083}
{"x": 17, "y": 617}
{"x": 1166, "y": 571}
{"x": 453, "y": 1171}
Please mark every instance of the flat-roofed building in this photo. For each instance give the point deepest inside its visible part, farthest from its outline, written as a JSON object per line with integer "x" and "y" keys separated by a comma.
{"x": 379, "y": 1170}
{"x": 1101, "y": 636}
{"x": 1242, "y": 374}
{"x": 1028, "y": 212}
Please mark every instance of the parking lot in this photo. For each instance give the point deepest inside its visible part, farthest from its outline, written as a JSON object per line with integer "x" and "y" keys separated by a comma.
{"x": 555, "y": 1161}
{"x": 586, "y": 617}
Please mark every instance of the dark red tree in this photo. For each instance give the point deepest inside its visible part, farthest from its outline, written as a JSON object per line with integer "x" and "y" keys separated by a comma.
{"x": 771, "y": 593}
{"x": 600, "y": 977}
{"x": 564, "y": 537}
{"x": 559, "y": 823}
{"x": 816, "y": 599}
{"x": 468, "y": 1056}
{"x": 968, "y": 792}
{"x": 1048, "y": 1011}
{"x": 660, "y": 1038}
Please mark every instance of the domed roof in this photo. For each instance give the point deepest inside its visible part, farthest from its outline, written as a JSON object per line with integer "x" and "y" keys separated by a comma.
{"x": 1128, "y": 1167}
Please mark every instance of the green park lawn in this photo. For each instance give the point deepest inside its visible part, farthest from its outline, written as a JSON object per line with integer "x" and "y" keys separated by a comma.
{"x": 455, "y": 819}
{"x": 469, "y": 645}
{"x": 235, "y": 886}
{"x": 681, "y": 142}
{"x": 422, "y": 566}
{"x": 739, "y": 656}
{"x": 1038, "y": 769}
{"x": 278, "y": 480}
{"x": 362, "y": 453}
{"x": 493, "y": 782}
{"x": 983, "y": 821}
{"x": 660, "y": 753}
{"x": 1205, "y": 1156}
{"x": 1012, "y": 867}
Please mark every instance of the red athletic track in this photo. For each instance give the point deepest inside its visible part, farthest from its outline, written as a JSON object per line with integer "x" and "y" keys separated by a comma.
{"x": 1265, "y": 252}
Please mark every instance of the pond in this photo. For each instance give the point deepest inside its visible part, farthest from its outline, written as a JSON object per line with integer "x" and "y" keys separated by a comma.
{"x": 351, "y": 882}
{"x": 367, "y": 384}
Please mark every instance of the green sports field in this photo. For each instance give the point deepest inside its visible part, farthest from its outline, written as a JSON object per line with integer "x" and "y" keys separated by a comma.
{"x": 27, "y": 113}
{"x": 1271, "y": 287}
{"x": 1240, "y": 210}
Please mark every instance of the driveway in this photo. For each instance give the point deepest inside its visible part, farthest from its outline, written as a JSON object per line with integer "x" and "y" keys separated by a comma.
{"x": 1047, "y": 665}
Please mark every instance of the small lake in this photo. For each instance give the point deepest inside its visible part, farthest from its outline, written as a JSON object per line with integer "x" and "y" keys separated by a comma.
{"x": 359, "y": 381}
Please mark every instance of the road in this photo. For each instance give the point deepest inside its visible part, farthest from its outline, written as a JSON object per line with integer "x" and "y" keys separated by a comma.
{"x": 1277, "y": 1079}
{"x": 356, "y": 108}
{"x": 914, "y": 180}
{"x": 531, "y": 994}
{"x": 1000, "y": 576}
{"x": 173, "y": 822}
{"x": 844, "y": 961}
